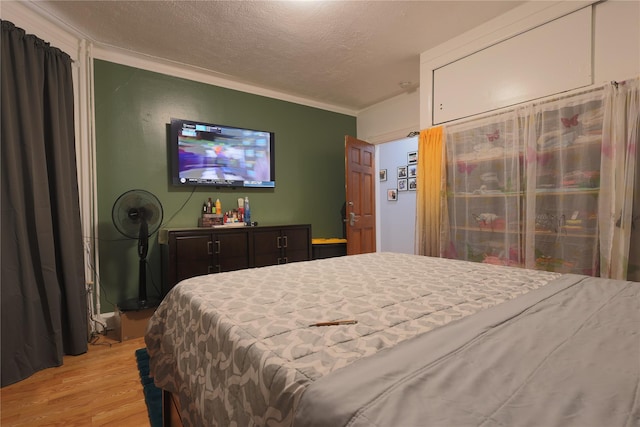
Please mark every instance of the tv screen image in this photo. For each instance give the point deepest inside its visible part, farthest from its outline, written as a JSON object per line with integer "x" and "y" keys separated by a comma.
{"x": 219, "y": 155}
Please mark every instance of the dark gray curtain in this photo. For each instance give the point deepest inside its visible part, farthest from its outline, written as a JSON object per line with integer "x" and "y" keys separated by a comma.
{"x": 44, "y": 306}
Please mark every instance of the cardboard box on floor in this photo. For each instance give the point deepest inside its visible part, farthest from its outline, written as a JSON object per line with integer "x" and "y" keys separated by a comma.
{"x": 132, "y": 323}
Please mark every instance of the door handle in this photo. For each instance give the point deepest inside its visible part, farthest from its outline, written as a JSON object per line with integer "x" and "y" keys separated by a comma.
{"x": 353, "y": 218}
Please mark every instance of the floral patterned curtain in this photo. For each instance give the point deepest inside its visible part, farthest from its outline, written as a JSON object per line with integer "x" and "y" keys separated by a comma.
{"x": 484, "y": 190}
{"x": 563, "y": 141}
{"x": 549, "y": 185}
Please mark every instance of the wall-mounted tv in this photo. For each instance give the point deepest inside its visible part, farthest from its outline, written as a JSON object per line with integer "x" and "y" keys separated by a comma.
{"x": 220, "y": 155}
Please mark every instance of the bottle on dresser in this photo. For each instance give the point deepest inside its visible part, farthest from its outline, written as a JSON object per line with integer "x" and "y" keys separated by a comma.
{"x": 247, "y": 212}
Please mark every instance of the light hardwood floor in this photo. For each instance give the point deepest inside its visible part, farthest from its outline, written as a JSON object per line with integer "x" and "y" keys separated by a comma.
{"x": 99, "y": 388}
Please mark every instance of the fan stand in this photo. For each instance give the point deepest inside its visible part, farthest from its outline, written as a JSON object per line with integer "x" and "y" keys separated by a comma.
{"x": 142, "y": 302}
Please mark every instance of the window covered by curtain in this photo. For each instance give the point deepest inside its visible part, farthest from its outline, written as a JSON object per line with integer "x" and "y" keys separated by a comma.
{"x": 44, "y": 309}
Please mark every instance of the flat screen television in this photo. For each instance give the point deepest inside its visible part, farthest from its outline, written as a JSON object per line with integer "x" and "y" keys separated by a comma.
{"x": 220, "y": 155}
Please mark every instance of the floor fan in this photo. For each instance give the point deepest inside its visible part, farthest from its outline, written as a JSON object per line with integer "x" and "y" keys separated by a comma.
{"x": 137, "y": 214}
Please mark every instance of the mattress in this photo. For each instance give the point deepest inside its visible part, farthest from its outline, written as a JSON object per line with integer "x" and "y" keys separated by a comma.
{"x": 241, "y": 348}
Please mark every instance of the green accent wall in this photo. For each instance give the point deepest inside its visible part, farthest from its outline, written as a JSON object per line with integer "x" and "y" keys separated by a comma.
{"x": 133, "y": 109}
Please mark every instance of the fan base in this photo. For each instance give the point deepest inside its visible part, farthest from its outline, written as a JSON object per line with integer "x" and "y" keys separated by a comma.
{"x": 137, "y": 304}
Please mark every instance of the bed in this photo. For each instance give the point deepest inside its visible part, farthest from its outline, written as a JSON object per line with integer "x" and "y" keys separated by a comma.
{"x": 388, "y": 339}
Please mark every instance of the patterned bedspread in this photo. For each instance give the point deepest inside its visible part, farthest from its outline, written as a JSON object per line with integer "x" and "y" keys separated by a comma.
{"x": 239, "y": 349}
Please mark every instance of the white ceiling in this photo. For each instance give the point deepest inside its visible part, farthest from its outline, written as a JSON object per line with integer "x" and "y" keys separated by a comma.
{"x": 348, "y": 54}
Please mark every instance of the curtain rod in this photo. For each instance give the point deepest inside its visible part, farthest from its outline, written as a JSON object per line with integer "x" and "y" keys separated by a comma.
{"x": 539, "y": 101}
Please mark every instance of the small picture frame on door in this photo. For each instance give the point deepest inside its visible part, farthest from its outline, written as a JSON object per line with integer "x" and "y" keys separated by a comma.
{"x": 402, "y": 171}
{"x": 412, "y": 171}
{"x": 402, "y": 184}
{"x": 392, "y": 194}
{"x": 383, "y": 175}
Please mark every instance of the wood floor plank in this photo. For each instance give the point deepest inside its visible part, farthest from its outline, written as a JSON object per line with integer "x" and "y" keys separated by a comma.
{"x": 99, "y": 388}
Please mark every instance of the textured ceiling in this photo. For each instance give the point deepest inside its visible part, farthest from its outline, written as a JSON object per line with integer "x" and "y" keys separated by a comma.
{"x": 349, "y": 54}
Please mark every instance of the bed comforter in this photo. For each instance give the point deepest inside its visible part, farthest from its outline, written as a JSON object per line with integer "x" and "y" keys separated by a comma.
{"x": 239, "y": 350}
{"x": 564, "y": 355}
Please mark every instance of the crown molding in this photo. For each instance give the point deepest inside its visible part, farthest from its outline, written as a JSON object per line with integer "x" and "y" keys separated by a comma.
{"x": 33, "y": 19}
{"x": 174, "y": 69}
{"x": 28, "y": 16}
{"x": 516, "y": 21}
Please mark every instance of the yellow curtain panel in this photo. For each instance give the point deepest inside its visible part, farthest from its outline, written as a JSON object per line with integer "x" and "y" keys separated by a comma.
{"x": 429, "y": 192}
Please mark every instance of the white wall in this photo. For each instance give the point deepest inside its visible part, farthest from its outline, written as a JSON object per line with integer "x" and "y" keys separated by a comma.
{"x": 395, "y": 219}
{"x": 383, "y": 124}
{"x": 617, "y": 41}
{"x": 390, "y": 120}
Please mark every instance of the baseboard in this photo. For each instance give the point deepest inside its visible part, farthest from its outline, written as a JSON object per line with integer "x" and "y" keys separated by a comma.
{"x": 102, "y": 323}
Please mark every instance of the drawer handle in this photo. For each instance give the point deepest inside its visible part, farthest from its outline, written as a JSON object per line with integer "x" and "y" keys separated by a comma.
{"x": 210, "y": 247}
{"x": 217, "y": 246}
{"x": 285, "y": 241}
{"x": 210, "y": 269}
{"x": 279, "y": 242}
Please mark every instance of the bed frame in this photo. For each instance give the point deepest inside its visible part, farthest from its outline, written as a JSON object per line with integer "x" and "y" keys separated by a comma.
{"x": 170, "y": 410}
{"x": 446, "y": 325}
